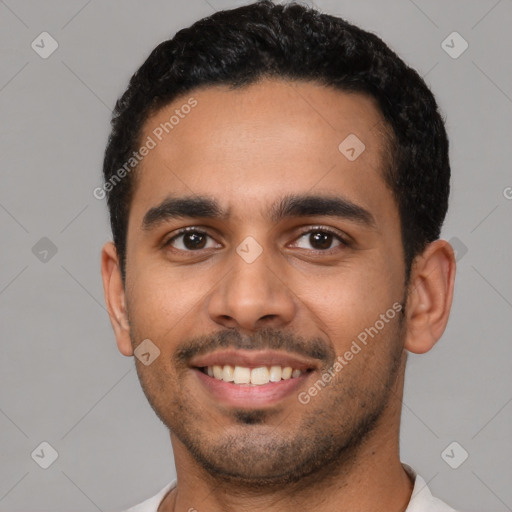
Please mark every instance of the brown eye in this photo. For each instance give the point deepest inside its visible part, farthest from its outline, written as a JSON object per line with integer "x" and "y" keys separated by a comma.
{"x": 194, "y": 240}
{"x": 320, "y": 240}
{"x": 190, "y": 240}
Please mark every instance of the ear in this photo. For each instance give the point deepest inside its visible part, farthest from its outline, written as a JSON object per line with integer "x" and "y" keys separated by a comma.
{"x": 430, "y": 296}
{"x": 115, "y": 299}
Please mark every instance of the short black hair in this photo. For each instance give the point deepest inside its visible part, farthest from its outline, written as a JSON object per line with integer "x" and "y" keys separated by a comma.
{"x": 241, "y": 46}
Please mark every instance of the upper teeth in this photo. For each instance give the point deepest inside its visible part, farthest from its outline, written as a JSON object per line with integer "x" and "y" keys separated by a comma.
{"x": 257, "y": 376}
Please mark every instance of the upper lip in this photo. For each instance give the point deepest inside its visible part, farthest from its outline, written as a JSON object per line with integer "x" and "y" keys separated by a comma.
{"x": 253, "y": 359}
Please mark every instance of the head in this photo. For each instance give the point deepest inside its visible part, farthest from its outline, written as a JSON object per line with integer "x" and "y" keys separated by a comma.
{"x": 309, "y": 165}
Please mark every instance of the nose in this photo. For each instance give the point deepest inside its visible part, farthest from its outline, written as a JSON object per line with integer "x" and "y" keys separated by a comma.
{"x": 252, "y": 296}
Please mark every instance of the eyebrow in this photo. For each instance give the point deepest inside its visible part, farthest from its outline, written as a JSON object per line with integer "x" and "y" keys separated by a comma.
{"x": 201, "y": 207}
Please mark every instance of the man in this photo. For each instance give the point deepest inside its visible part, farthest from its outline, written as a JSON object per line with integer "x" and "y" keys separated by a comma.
{"x": 277, "y": 180}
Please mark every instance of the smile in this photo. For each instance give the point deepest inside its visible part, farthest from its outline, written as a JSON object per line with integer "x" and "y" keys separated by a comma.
{"x": 252, "y": 376}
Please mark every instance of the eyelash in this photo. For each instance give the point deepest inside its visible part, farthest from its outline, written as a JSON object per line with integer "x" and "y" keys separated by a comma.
{"x": 316, "y": 229}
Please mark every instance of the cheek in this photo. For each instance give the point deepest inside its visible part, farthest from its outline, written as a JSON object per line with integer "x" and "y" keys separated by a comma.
{"x": 159, "y": 300}
{"x": 347, "y": 306}
{"x": 353, "y": 296}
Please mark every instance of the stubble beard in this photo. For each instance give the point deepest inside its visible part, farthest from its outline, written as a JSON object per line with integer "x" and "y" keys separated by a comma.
{"x": 254, "y": 455}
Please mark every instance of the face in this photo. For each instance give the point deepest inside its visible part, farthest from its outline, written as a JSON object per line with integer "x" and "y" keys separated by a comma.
{"x": 258, "y": 247}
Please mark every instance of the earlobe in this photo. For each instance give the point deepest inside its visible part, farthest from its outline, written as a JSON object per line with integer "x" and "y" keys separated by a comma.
{"x": 430, "y": 296}
{"x": 115, "y": 299}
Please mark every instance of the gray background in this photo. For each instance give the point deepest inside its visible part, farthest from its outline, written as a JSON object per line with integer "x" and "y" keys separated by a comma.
{"x": 62, "y": 379}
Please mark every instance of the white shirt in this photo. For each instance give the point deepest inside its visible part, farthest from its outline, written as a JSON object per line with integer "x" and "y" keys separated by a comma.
{"x": 421, "y": 498}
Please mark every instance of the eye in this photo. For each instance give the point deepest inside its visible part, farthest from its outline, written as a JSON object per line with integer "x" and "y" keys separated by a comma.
{"x": 190, "y": 239}
{"x": 320, "y": 239}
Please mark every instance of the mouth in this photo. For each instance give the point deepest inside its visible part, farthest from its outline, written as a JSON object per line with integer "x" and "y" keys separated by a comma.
{"x": 248, "y": 379}
{"x": 258, "y": 376}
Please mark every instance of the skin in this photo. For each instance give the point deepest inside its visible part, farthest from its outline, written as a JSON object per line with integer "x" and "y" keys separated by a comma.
{"x": 246, "y": 149}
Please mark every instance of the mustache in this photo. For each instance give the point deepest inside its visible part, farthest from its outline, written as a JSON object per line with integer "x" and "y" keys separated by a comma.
{"x": 267, "y": 338}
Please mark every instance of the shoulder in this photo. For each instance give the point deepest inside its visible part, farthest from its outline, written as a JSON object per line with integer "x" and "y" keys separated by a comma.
{"x": 421, "y": 498}
{"x": 152, "y": 504}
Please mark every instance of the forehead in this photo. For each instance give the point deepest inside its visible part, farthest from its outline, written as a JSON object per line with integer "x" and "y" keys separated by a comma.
{"x": 273, "y": 137}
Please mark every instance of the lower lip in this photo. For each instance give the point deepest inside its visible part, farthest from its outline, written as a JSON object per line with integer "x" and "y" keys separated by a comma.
{"x": 249, "y": 396}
